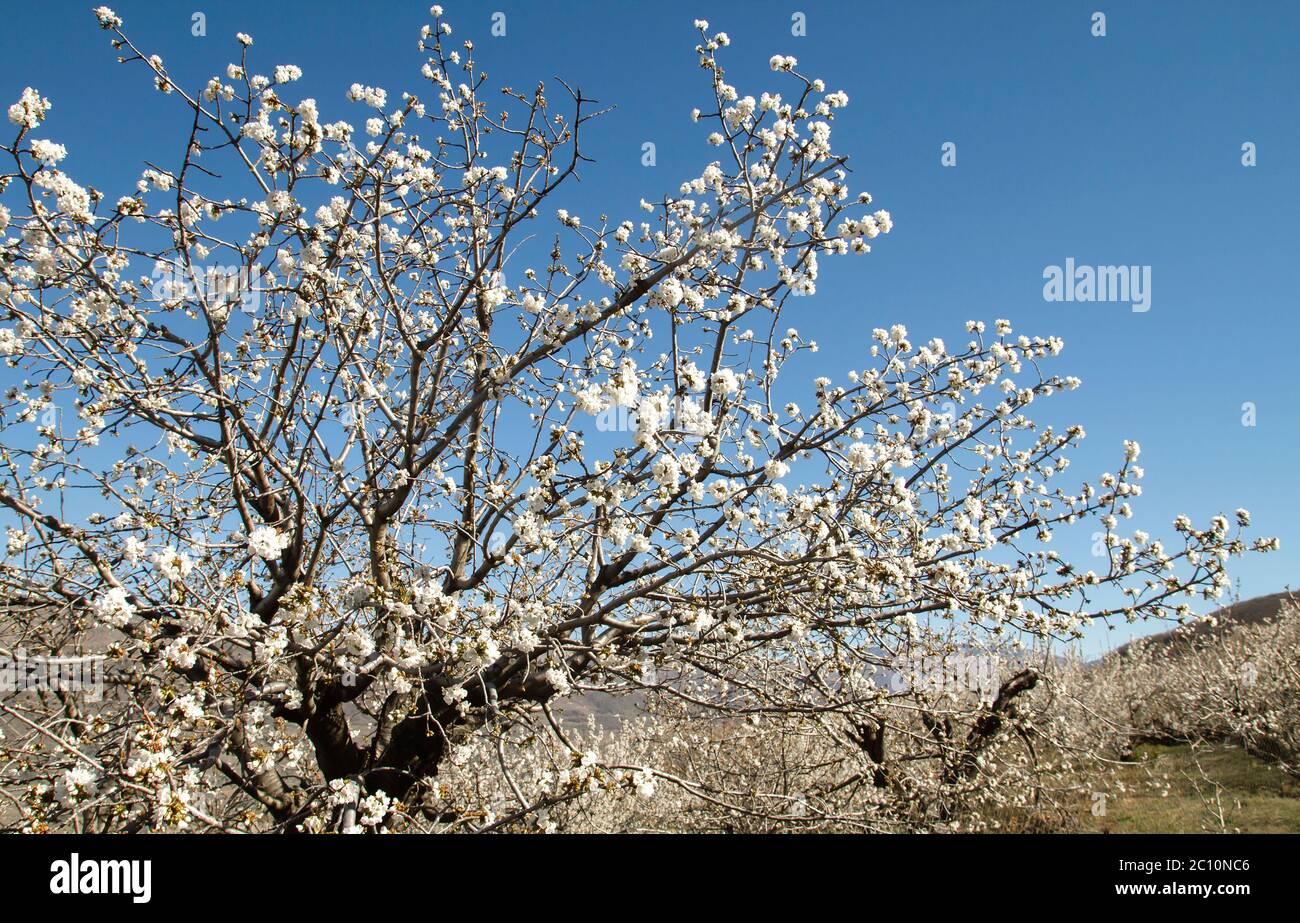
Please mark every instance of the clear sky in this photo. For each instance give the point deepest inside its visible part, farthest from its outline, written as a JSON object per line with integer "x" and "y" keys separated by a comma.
{"x": 1117, "y": 150}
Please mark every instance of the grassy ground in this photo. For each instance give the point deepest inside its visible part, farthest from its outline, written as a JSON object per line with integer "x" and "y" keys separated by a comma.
{"x": 1210, "y": 789}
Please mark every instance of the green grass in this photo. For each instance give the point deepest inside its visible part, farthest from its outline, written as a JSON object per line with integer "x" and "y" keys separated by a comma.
{"x": 1163, "y": 791}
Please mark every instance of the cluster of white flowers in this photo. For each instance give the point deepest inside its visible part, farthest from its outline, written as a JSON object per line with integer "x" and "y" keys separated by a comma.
{"x": 624, "y": 385}
{"x": 80, "y": 782}
{"x": 10, "y": 342}
{"x": 374, "y": 808}
{"x": 133, "y": 549}
{"x": 172, "y": 565}
{"x": 558, "y": 680}
{"x": 30, "y": 110}
{"x": 374, "y": 97}
{"x": 107, "y": 18}
{"x": 428, "y": 599}
{"x": 72, "y": 200}
{"x": 643, "y": 781}
{"x": 861, "y": 456}
{"x": 181, "y": 653}
{"x": 667, "y": 472}
{"x": 267, "y": 543}
{"x": 113, "y": 607}
{"x": 16, "y": 540}
{"x": 528, "y": 527}
{"x": 725, "y": 382}
{"x": 47, "y": 152}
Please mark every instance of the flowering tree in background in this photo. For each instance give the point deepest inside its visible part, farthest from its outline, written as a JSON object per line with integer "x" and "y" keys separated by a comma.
{"x": 353, "y": 478}
{"x": 1239, "y": 686}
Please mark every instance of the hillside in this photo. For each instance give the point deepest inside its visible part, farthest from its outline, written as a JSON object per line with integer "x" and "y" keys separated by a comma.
{"x": 1244, "y": 612}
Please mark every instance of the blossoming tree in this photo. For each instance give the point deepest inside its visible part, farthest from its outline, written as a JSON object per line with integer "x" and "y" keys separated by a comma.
{"x": 311, "y": 436}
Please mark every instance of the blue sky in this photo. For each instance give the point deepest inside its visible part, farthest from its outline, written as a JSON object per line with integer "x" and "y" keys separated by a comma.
{"x": 1122, "y": 149}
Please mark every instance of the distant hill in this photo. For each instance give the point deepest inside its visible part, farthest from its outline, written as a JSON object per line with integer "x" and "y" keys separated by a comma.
{"x": 1246, "y": 612}
{"x": 609, "y": 711}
